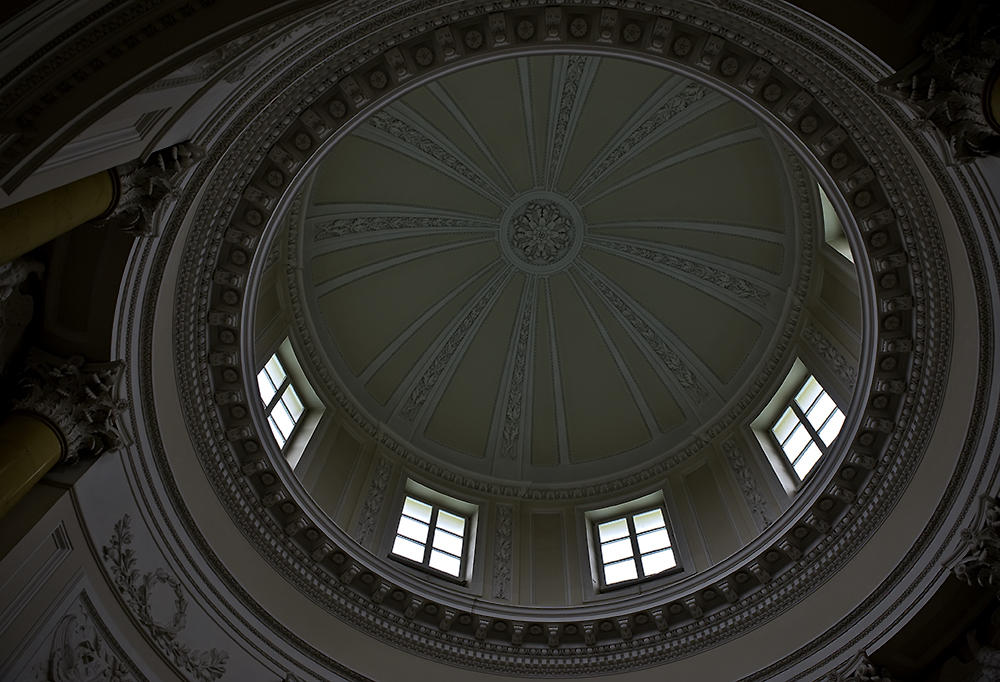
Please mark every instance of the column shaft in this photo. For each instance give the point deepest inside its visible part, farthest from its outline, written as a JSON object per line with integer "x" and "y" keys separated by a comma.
{"x": 32, "y": 222}
{"x": 29, "y": 447}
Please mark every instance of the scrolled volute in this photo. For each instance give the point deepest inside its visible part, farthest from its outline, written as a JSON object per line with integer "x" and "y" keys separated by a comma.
{"x": 143, "y": 186}
{"x": 76, "y": 398}
{"x": 946, "y": 85}
{"x": 980, "y": 564}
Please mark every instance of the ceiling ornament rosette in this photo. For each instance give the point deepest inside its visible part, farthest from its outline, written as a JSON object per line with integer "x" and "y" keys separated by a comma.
{"x": 897, "y": 235}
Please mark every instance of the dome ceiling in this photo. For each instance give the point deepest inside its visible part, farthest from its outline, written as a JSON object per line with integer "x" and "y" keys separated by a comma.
{"x": 551, "y": 268}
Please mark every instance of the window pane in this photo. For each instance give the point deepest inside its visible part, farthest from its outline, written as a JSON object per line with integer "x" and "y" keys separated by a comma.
{"x": 821, "y": 409}
{"x": 612, "y": 529}
{"x": 796, "y": 442}
{"x": 807, "y": 394}
{"x": 648, "y": 520}
{"x": 623, "y": 570}
{"x": 291, "y": 400}
{"x": 615, "y": 550}
{"x": 830, "y": 432}
{"x": 278, "y": 435}
{"x": 265, "y": 386}
{"x": 784, "y": 426}
{"x": 657, "y": 539}
{"x": 408, "y": 549}
{"x": 412, "y": 529}
{"x": 451, "y": 522}
{"x": 274, "y": 368}
{"x": 445, "y": 562}
{"x": 417, "y": 509}
{"x": 283, "y": 420}
{"x": 447, "y": 542}
{"x": 658, "y": 562}
{"x": 809, "y": 458}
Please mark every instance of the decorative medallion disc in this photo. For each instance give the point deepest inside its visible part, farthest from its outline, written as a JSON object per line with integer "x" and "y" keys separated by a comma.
{"x": 541, "y": 232}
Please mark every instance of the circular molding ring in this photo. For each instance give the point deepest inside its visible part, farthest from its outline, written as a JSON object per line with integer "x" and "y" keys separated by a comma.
{"x": 857, "y": 155}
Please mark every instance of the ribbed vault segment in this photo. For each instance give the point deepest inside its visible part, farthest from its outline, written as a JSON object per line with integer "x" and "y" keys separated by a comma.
{"x": 559, "y": 365}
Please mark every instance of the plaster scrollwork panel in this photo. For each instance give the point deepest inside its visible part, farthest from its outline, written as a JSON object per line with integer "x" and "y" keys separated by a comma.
{"x": 740, "y": 287}
{"x": 827, "y": 350}
{"x": 341, "y": 227}
{"x": 82, "y": 649}
{"x": 667, "y": 116}
{"x": 418, "y": 142}
{"x": 760, "y": 510}
{"x": 670, "y": 358}
{"x": 575, "y": 78}
{"x": 503, "y": 551}
{"x": 139, "y": 592}
{"x": 374, "y": 502}
{"x": 513, "y": 413}
{"x": 444, "y": 355}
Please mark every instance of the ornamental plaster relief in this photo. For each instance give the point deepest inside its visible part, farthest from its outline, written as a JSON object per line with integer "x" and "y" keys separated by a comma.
{"x": 765, "y": 574}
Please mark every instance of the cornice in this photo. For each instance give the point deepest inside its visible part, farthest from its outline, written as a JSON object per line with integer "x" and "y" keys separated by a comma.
{"x": 854, "y": 490}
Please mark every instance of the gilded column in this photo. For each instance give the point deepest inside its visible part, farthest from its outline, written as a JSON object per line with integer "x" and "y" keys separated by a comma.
{"x": 66, "y": 411}
{"x": 35, "y": 221}
{"x": 125, "y": 197}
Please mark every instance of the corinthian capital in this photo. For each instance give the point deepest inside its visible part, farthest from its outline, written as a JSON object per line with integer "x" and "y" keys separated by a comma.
{"x": 144, "y": 186}
{"x": 947, "y": 86}
{"x": 76, "y": 398}
{"x": 980, "y": 564}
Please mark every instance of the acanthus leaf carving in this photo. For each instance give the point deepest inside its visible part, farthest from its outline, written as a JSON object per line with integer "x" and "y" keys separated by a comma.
{"x": 136, "y": 589}
{"x": 980, "y": 564}
{"x": 76, "y": 398}
{"x": 373, "y": 501}
{"x": 502, "y": 551}
{"x": 945, "y": 86}
{"x": 83, "y": 649}
{"x": 759, "y": 509}
{"x": 821, "y": 345}
{"x": 144, "y": 186}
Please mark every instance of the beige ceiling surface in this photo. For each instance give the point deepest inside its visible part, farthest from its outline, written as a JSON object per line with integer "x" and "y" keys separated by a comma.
{"x": 549, "y": 268}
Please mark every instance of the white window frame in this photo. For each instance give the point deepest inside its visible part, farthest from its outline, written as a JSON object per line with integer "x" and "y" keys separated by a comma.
{"x": 629, "y": 511}
{"x": 803, "y": 420}
{"x": 438, "y": 503}
{"x": 279, "y": 399}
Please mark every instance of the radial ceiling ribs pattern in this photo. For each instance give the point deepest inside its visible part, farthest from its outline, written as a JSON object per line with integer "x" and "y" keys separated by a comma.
{"x": 550, "y": 268}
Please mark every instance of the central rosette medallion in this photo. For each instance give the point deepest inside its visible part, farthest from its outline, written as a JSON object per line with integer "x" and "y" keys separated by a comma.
{"x": 541, "y": 232}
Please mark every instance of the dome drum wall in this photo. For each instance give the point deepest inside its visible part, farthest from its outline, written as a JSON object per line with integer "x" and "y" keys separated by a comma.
{"x": 786, "y": 562}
